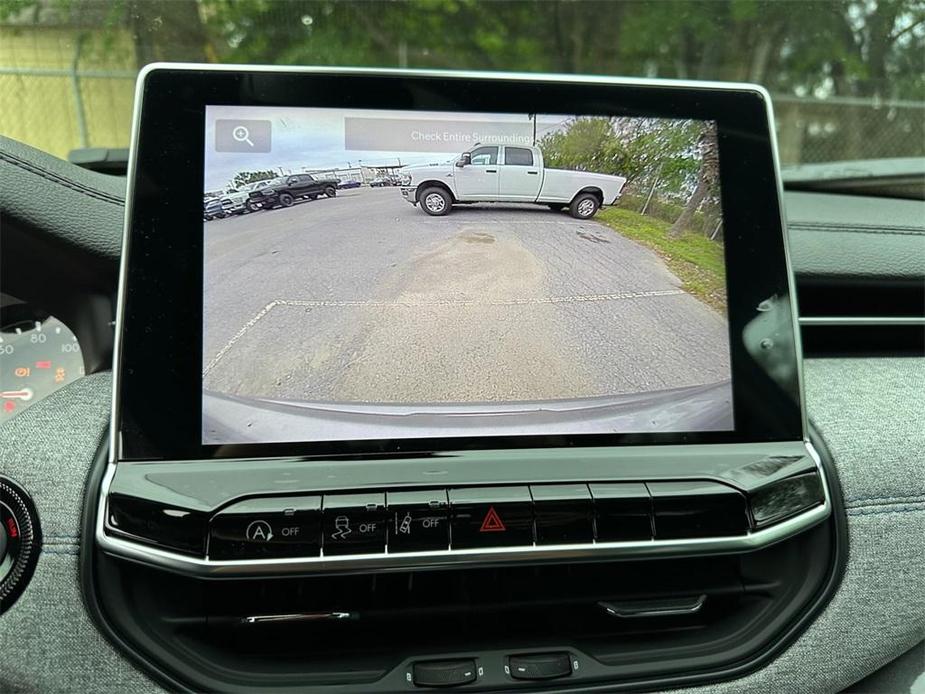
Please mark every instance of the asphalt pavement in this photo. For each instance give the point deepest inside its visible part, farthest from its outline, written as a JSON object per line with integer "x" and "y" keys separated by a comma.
{"x": 365, "y": 298}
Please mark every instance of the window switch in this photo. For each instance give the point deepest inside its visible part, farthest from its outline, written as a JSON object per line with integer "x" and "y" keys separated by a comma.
{"x": 444, "y": 673}
{"x": 540, "y": 666}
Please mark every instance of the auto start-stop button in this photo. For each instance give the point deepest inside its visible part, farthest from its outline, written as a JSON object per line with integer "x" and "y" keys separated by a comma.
{"x": 267, "y": 528}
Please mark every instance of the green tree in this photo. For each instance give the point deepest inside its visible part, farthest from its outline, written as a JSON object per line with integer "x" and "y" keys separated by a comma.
{"x": 653, "y": 151}
{"x": 708, "y": 149}
{"x": 242, "y": 178}
{"x": 586, "y": 144}
{"x": 867, "y": 50}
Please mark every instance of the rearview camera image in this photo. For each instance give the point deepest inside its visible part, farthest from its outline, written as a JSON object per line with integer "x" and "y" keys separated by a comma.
{"x": 408, "y": 274}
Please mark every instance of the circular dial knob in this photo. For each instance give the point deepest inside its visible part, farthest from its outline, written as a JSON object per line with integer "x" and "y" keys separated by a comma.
{"x": 20, "y": 541}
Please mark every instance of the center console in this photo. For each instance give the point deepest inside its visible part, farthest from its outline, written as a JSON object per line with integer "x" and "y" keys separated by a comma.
{"x": 402, "y": 400}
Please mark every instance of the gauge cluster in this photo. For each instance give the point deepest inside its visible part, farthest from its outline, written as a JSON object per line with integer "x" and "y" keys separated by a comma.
{"x": 38, "y": 355}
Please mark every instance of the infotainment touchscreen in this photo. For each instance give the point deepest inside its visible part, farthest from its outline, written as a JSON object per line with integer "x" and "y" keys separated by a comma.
{"x": 353, "y": 262}
{"x": 371, "y": 274}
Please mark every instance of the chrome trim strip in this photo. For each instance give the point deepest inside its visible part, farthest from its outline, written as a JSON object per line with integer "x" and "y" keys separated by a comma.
{"x": 462, "y": 557}
{"x": 862, "y": 320}
{"x": 298, "y": 617}
{"x": 115, "y": 439}
{"x": 670, "y": 609}
{"x": 196, "y": 566}
{"x": 791, "y": 280}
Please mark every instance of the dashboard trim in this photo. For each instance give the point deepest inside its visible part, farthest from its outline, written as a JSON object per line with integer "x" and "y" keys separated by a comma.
{"x": 129, "y": 642}
{"x": 207, "y": 568}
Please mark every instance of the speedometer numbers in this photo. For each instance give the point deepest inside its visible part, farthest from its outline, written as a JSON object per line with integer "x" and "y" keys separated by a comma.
{"x": 38, "y": 355}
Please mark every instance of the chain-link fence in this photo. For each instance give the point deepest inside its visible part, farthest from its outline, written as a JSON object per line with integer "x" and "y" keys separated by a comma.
{"x": 845, "y": 129}
{"x": 60, "y": 92}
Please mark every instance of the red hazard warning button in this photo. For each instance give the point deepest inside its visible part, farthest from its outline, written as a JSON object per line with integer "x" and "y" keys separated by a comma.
{"x": 490, "y": 517}
{"x": 492, "y": 522}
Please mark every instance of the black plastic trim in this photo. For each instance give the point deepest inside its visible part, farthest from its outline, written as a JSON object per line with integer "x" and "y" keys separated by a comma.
{"x": 86, "y": 569}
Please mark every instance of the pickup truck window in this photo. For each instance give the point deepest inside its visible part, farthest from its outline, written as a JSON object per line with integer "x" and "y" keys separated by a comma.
{"x": 518, "y": 156}
{"x": 484, "y": 156}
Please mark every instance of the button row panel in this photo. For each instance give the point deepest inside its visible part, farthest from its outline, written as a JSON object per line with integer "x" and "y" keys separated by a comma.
{"x": 397, "y": 522}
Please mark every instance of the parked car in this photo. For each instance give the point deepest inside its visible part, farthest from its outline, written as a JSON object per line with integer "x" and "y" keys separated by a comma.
{"x": 236, "y": 200}
{"x": 381, "y": 182}
{"x": 285, "y": 190}
{"x": 214, "y": 208}
{"x": 345, "y": 185}
{"x": 496, "y": 173}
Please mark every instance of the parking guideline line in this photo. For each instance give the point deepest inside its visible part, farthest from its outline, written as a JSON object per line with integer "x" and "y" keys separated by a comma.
{"x": 237, "y": 336}
{"x": 336, "y": 303}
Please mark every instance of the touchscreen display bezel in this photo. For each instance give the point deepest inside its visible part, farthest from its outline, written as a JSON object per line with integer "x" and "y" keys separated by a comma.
{"x": 157, "y": 410}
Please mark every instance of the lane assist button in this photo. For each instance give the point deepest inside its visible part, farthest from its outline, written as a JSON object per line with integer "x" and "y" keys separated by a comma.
{"x": 491, "y": 517}
{"x": 418, "y": 521}
{"x": 267, "y": 528}
{"x": 354, "y": 523}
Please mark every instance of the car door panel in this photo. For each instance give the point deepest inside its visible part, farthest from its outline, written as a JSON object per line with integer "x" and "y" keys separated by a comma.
{"x": 519, "y": 180}
{"x": 478, "y": 180}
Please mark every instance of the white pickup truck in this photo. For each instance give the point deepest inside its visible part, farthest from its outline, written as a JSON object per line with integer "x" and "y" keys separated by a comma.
{"x": 505, "y": 173}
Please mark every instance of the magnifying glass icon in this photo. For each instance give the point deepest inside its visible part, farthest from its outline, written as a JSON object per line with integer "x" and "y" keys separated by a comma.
{"x": 242, "y": 134}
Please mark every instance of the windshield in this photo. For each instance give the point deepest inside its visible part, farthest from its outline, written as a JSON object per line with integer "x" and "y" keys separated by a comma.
{"x": 847, "y": 78}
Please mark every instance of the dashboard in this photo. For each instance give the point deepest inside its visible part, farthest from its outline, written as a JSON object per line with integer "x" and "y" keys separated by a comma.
{"x": 39, "y": 355}
{"x": 787, "y": 565}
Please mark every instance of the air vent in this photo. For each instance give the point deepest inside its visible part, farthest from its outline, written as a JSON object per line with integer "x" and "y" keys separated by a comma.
{"x": 852, "y": 317}
{"x": 621, "y": 620}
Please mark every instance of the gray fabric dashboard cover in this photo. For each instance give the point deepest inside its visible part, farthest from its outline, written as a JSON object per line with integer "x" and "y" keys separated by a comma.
{"x": 870, "y": 412}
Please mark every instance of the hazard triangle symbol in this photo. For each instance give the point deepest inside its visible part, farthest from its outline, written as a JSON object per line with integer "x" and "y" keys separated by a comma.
{"x": 492, "y": 522}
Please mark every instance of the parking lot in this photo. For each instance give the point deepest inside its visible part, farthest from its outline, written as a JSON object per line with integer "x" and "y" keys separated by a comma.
{"x": 365, "y": 298}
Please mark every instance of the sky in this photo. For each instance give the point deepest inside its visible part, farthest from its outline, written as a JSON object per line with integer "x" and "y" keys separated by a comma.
{"x": 314, "y": 139}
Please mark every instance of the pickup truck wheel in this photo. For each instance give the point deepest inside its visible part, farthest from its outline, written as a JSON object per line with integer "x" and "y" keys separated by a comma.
{"x": 252, "y": 206}
{"x": 330, "y": 191}
{"x": 286, "y": 200}
{"x": 435, "y": 201}
{"x": 584, "y": 206}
